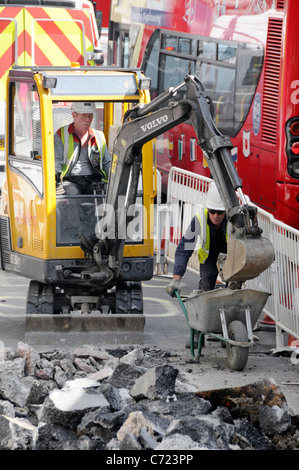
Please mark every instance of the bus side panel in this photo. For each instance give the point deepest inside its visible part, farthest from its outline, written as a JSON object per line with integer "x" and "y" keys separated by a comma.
{"x": 287, "y": 211}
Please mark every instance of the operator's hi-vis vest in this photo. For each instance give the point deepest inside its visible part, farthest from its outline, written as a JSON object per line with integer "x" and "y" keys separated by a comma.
{"x": 71, "y": 152}
{"x": 205, "y": 240}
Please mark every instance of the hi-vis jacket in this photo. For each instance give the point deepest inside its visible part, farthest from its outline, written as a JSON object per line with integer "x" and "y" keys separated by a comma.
{"x": 67, "y": 151}
{"x": 205, "y": 240}
{"x": 199, "y": 229}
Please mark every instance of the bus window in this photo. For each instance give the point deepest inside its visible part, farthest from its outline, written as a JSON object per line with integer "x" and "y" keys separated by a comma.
{"x": 218, "y": 81}
{"x": 121, "y": 44}
{"x": 187, "y": 46}
{"x": 230, "y": 81}
{"x": 228, "y": 71}
{"x": 169, "y": 42}
{"x": 152, "y": 62}
{"x": 250, "y": 63}
{"x": 120, "y": 49}
{"x": 174, "y": 71}
{"x": 227, "y": 53}
{"x": 249, "y": 67}
{"x": 207, "y": 50}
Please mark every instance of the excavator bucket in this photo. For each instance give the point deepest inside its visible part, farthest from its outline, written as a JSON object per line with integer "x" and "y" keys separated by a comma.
{"x": 246, "y": 258}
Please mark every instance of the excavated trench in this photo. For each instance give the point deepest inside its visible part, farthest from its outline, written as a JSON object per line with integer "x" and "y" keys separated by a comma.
{"x": 130, "y": 398}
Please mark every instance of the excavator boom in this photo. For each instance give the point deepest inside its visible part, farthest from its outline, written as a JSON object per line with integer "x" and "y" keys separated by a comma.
{"x": 248, "y": 253}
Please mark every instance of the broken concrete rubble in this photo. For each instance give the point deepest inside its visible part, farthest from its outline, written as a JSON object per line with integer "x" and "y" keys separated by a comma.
{"x": 68, "y": 405}
{"x": 267, "y": 410}
{"x": 17, "y": 433}
{"x": 155, "y": 383}
{"x": 131, "y": 399}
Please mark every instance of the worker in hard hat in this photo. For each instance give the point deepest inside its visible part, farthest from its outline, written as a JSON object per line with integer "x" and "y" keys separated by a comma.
{"x": 209, "y": 225}
{"x": 81, "y": 154}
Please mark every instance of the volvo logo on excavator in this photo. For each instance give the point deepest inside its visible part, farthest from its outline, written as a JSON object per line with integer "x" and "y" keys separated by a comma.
{"x": 156, "y": 122}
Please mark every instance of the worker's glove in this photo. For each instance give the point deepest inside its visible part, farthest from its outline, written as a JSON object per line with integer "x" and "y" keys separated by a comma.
{"x": 174, "y": 285}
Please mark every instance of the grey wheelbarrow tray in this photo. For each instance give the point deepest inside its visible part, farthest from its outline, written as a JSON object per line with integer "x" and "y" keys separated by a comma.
{"x": 227, "y": 315}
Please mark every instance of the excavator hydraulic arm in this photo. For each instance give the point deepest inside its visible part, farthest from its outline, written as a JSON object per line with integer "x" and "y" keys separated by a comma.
{"x": 248, "y": 253}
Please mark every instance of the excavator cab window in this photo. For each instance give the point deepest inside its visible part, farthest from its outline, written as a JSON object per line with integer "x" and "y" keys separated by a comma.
{"x": 81, "y": 213}
{"x": 77, "y": 213}
{"x": 25, "y": 144}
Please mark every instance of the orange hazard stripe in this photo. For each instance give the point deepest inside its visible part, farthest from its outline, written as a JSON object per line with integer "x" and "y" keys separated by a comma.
{"x": 82, "y": 16}
{"x": 3, "y": 25}
{"x": 56, "y": 33}
{"x": 8, "y": 58}
{"x": 6, "y": 61}
{"x": 40, "y": 57}
{"x": 13, "y": 11}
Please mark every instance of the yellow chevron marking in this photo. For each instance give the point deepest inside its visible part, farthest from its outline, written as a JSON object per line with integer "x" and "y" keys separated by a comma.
{"x": 73, "y": 33}
{"x": 70, "y": 28}
{"x": 45, "y": 42}
{"x": 3, "y": 86}
{"x": 26, "y": 58}
{"x": 9, "y": 33}
{"x": 7, "y": 41}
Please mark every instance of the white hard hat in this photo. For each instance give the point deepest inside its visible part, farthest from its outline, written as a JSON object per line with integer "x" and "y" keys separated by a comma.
{"x": 214, "y": 200}
{"x": 83, "y": 107}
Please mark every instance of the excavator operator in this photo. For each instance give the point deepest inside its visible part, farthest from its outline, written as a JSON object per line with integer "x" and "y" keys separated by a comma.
{"x": 82, "y": 159}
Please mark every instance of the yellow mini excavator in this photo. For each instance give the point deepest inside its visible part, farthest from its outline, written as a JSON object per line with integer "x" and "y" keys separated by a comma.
{"x": 87, "y": 255}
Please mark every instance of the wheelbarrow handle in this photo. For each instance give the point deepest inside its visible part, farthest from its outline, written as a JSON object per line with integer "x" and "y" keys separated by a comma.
{"x": 182, "y": 305}
{"x": 177, "y": 294}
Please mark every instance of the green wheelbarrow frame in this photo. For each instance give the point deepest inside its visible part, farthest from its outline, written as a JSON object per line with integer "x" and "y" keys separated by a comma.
{"x": 210, "y": 313}
{"x": 193, "y": 331}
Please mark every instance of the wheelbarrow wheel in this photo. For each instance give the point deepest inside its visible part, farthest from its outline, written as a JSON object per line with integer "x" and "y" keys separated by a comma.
{"x": 237, "y": 355}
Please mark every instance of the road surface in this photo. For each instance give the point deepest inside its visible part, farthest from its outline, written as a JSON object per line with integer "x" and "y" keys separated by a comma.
{"x": 166, "y": 328}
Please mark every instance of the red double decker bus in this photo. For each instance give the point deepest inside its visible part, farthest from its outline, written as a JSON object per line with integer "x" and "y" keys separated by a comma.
{"x": 245, "y": 54}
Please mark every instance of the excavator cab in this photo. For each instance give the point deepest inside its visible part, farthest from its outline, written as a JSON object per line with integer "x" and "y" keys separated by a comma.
{"x": 43, "y": 230}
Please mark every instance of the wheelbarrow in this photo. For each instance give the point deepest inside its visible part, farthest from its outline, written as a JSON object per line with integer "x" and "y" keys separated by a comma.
{"x": 228, "y": 316}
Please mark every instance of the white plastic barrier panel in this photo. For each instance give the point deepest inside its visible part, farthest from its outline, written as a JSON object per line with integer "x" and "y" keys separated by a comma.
{"x": 186, "y": 193}
{"x": 282, "y": 278}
